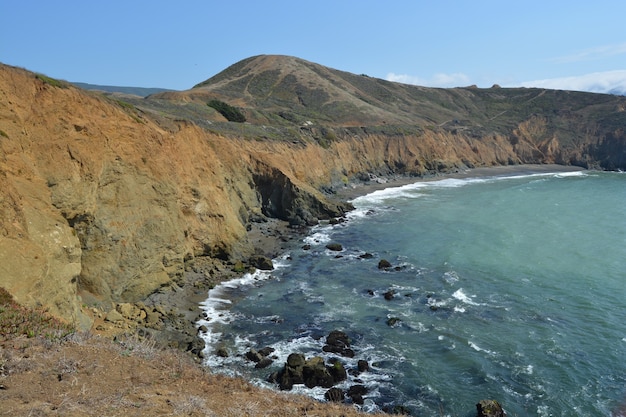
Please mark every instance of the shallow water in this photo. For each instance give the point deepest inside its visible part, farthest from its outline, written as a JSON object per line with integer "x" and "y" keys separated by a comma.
{"x": 509, "y": 288}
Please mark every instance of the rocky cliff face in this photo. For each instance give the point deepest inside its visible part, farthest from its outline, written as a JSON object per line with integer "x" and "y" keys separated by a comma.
{"x": 106, "y": 201}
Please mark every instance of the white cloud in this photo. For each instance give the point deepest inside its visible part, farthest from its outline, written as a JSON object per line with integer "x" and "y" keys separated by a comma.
{"x": 593, "y": 54}
{"x": 598, "y": 82}
{"x": 456, "y": 79}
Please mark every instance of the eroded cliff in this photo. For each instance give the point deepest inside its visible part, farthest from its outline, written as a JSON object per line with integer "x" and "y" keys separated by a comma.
{"x": 103, "y": 200}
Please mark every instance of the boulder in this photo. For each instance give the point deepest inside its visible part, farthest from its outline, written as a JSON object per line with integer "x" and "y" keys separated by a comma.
{"x": 312, "y": 372}
{"x": 356, "y": 393}
{"x": 337, "y": 371}
{"x": 389, "y": 295}
{"x": 292, "y": 372}
{"x": 263, "y": 363}
{"x": 317, "y": 374}
{"x": 384, "y": 264}
{"x": 266, "y": 351}
{"x": 114, "y": 316}
{"x": 334, "y": 395}
{"x": 254, "y": 356}
{"x": 337, "y": 247}
{"x": 489, "y": 408}
{"x": 393, "y": 321}
{"x": 222, "y": 352}
{"x": 262, "y": 262}
{"x": 338, "y": 342}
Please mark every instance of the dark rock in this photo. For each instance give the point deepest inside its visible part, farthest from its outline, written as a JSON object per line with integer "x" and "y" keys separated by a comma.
{"x": 262, "y": 262}
{"x": 338, "y": 338}
{"x": 356, "y": 393}
{"x": 292, "y": 372}
{"x": 338, "y": 371}
{"x": 383, "y": 264}
{"x": 366, "y": 255}
{"x": 393, "y": 321}
{"x": 222, "y": 352}
{"x": 362, "y": 366}
{"x": 263, "y": 363}
{"x": 254, "y": 356}
{"x": 389, "y": 294}
{"x": 316, "y": 374}
{"x": 489, "y": 408}
{"x": 273, "y": 378}
{"x": 306, "y": 247}
{"x": 266, "y": 351}
{"x": 334, "y": 247}
{"x": 338, "y": 342}
{"x": 296, "y": 360}
{"x": 334, "y": 395}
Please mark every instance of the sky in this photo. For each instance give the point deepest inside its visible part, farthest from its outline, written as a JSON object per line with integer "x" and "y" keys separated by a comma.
{"x": 571, "y": 45}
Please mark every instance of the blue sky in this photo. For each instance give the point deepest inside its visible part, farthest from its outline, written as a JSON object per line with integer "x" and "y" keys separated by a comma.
{"x": 176, "y": 44}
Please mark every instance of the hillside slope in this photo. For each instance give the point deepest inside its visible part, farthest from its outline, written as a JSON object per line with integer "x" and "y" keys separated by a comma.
{"x": 104, "y": 200}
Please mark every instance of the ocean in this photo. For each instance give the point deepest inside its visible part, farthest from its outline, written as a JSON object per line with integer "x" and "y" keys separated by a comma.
{"x": 510, "y": 288}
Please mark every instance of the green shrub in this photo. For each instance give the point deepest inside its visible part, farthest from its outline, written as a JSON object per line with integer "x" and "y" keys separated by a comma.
{"x": 51, "y": 81}
{"x": 17, "y": 320}
{"x": 232, "y": 114}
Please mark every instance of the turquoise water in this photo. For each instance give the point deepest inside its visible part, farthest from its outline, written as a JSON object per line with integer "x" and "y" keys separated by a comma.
{"x": 509, "y": 288}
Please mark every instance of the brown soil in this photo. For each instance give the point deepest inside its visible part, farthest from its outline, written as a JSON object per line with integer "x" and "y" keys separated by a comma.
{"x": 87, "y": 375}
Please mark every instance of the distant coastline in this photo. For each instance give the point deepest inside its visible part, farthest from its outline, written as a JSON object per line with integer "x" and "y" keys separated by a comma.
{"x": 357, "y": 189}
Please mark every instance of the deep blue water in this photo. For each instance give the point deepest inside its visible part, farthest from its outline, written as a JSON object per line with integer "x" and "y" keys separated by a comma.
{"x": 510, "y": 288}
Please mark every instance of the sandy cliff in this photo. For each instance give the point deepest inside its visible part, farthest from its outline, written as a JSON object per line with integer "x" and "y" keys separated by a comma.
{"x": 101, "y": 201}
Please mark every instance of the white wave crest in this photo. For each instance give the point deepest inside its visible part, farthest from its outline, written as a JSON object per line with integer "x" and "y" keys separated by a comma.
{"x": 461, "y": 296}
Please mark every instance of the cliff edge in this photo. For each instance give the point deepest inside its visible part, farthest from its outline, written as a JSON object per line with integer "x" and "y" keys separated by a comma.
{"x": 105, "y": 200}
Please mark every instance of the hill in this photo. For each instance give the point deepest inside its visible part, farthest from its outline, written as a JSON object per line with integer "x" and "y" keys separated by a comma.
{"x": 118, "y": 213}
{"x": 300, "y": 100}
{"x": 136, "y": 91}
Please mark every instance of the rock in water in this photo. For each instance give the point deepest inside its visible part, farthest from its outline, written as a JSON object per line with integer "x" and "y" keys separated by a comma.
{"x": 262, "y": 262}
{"x": 334, "y": 247}
{"x": 338, "y": 342}
{"x": 384, "y": 264}
{"x": 334, "y": 395}
{"x": 489, "y": 408}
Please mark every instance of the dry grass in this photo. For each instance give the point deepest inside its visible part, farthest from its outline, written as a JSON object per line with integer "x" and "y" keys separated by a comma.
{"x": 86, "y": 375}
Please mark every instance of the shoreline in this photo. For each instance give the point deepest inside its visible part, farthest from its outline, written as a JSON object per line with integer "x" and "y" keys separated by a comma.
{"x": 358, "y": 189}
{"x": 271, "y": 238}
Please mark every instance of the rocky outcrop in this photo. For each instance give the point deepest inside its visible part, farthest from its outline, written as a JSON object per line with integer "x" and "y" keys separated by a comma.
{"x": 99, "y": 201}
